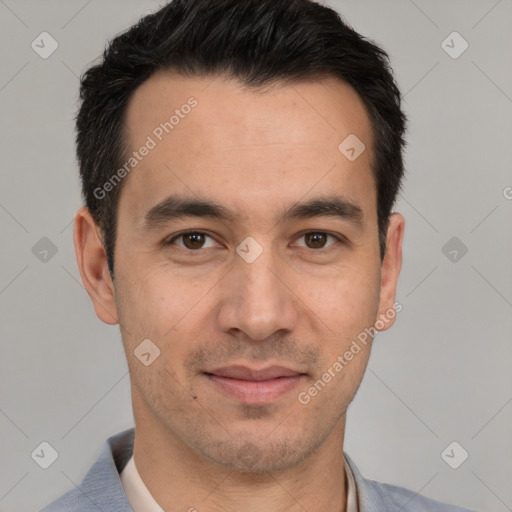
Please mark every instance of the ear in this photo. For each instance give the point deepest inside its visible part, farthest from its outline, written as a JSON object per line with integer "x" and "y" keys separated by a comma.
{"x": 92, "y": 263}
{"x": 390, "y": 270}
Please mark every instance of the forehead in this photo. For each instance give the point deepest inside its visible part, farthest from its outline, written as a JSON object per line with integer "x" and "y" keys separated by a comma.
{"x": 249, "y": 147}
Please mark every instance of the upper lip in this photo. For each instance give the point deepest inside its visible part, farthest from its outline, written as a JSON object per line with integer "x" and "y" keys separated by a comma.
{"x": 246, "y": 373}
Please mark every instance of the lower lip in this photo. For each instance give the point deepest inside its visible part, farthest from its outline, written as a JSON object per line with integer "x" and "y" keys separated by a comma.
{"x": 255, "y": 392}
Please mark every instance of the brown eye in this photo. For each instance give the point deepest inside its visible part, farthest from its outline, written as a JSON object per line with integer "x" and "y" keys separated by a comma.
{"x": 318, "y": 240}
{"x": 192, "y": 240}
{"x": 315, "y": 240}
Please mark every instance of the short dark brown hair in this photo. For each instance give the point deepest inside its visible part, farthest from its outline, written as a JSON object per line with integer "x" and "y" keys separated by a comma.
{"x": 258, "y": 42}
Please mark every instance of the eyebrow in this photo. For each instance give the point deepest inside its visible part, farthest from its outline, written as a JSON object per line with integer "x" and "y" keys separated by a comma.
{"x": 179, "y": 207}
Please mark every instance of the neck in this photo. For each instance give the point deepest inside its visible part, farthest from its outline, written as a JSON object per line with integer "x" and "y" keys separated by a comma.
{"x": 179, "y": 479}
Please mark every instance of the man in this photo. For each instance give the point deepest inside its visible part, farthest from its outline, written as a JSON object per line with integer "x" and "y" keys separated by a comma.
{"x": 240, "y": 161}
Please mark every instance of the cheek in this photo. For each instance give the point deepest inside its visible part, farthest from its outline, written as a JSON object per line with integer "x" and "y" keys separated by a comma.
{"x": 170, "y": 311}
{"x": 347, "y": 302}
{"x": 158, "y": 298}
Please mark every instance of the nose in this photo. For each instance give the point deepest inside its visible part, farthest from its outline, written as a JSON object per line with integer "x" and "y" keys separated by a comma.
{"x": 257, "y": 298}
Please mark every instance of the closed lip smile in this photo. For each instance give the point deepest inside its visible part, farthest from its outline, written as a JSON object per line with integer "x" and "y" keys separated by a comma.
{"x": 253, "y": 385}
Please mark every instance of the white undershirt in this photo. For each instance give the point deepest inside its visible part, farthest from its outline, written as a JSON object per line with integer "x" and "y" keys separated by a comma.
{"x": 141, "y": 500}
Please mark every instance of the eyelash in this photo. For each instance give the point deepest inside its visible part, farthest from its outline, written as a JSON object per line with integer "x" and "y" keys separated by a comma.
{"x": 340, "y": 239}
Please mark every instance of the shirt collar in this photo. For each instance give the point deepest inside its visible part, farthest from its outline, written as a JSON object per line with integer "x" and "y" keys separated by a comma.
{"x": 141, "y": 499}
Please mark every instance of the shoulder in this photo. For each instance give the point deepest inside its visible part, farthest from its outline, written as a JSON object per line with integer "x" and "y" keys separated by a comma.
{"x": 406, "y": 500}
{"x": 101, "y": 488}
{"x": 376, "y": 496}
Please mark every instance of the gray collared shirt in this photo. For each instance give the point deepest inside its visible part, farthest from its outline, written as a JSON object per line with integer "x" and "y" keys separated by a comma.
{"x": 141, "y": 499}
{"x": 102, "y": 489}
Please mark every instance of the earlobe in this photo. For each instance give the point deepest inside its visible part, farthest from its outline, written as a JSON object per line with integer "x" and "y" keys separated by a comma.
{"x": 390, "y": 271}
{"x": 92, "y": 264}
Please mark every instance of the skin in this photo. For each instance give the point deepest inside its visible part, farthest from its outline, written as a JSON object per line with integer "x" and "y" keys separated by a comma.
{"x": 297, "y": 305}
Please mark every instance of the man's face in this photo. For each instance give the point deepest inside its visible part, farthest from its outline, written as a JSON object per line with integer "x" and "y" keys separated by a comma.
{"x": 255, "y": 288}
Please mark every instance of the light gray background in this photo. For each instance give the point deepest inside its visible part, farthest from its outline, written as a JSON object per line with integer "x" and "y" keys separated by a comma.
{"x": 441, "y": 374}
